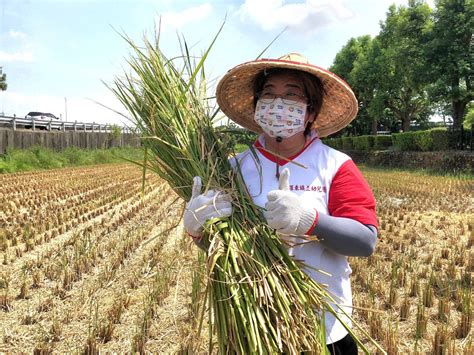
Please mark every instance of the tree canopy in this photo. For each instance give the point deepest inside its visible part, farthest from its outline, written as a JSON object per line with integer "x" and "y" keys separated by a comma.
{"x": 420, "y": 62}
{"x": 3, "y": 81}
{"x": 449, "y": 55}
{"x": 344, "y": 66}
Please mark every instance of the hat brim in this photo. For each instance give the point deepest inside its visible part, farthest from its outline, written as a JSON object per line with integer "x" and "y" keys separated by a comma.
{"x": 235, "y": 95}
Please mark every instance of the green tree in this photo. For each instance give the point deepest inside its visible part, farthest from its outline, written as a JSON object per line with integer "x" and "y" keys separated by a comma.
{"x": 450, "y": 57}
{"x": 388, "y": 72}
{"x": 3, "y": 80}
{"x": 469, "y": 118}
{"x": 345, "y": 58}
{"x": 343, "y": 66}
{"x": 401, "y": 63}
{"x": 368, "y": 74}
{"x": 115, "y": 131}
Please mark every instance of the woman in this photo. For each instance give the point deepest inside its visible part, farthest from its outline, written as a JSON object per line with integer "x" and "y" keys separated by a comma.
{"x": 307, "y": 188}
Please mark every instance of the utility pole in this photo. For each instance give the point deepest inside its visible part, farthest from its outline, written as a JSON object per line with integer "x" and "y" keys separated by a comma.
{"x": 65, "y": 107}
{"x": 3, "y": 85}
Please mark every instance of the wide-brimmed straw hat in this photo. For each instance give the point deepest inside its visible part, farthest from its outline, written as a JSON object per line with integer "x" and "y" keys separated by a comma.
{"x": 235, "y": 94}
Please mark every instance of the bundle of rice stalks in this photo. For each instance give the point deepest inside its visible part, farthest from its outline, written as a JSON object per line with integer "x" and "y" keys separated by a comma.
{"x": 261, "y": 300}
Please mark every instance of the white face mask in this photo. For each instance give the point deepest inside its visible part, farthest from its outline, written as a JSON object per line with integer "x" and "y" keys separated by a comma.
{"x": 279, "y": 119}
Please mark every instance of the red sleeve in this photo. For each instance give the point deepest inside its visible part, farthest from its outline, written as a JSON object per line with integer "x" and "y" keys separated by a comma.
{"x": 350, "y": 196}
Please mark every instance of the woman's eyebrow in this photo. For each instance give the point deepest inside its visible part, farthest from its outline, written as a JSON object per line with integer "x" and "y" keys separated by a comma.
{"x": 296, "y": 86}
{"x": 289, "y": 85}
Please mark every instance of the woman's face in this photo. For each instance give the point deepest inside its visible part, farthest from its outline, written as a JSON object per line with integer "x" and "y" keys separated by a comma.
{"x": 287, "y": 86}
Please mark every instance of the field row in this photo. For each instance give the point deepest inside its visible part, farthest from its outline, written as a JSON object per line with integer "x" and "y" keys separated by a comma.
{"x": 415, "y": 291}
{"x": 99, "y": 270}
{"x": 90, "y": 263}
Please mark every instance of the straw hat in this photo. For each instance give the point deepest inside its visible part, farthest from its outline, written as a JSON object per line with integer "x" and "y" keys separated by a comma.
{"x": 235, "y": 94}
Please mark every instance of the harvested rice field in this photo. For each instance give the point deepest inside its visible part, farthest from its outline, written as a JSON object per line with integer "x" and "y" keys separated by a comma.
{"x": 89, "y": 263}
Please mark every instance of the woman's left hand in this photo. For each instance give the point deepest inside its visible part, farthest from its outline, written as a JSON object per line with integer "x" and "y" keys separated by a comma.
{"x": 285, "y": 211}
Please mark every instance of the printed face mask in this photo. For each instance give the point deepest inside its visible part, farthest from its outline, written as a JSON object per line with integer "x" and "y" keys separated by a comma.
{"x": 279, "y": 119}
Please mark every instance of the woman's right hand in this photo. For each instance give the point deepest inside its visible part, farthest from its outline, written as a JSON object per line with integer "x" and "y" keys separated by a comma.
{"x": 203, "y": 207}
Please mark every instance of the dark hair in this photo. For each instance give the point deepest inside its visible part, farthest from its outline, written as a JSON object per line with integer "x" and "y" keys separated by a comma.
{"x": 312, "y": 85}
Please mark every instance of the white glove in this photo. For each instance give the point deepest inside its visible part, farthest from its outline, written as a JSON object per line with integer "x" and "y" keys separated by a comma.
{"x": 285, "y": 211}
{"x": 203, "y": 207}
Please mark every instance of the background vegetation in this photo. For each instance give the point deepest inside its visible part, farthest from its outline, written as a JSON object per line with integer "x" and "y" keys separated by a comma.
{"x": 3, "y": 80}
{"x": 418, "y": 65}
{"x": 43, "y": 158}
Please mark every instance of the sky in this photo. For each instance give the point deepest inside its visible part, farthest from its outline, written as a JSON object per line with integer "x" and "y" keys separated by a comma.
{"x": 59, "y": 55}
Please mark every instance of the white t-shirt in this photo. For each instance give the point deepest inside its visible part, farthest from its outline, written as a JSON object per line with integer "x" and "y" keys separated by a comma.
{"x": 333, "y": 185}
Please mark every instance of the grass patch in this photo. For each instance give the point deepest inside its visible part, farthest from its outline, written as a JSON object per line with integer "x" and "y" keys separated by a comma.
{"x": 40, "y": 158}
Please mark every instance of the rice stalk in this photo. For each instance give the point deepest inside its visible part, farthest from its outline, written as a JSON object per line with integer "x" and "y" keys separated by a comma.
{"x": 260, "y": 299}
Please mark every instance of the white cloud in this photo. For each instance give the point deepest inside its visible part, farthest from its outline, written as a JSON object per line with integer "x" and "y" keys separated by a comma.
{"x": 24, "y": 56}
{"x": 304, "y": 17}
{"x": 178, "y": 19}
{"x": 16, "y": 34}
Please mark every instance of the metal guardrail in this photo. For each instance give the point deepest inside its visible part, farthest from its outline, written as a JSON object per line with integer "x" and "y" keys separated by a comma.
{"x": 40, "y": 124}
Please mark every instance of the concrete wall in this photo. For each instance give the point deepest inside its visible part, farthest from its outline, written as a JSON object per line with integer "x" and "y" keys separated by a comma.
{"x": 57, "y": 140}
